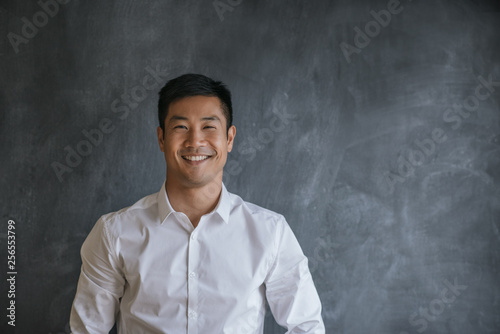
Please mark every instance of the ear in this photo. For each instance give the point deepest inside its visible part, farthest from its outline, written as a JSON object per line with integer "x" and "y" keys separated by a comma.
{"x": 161, "y": 138}
{"x": 231, "y": 133}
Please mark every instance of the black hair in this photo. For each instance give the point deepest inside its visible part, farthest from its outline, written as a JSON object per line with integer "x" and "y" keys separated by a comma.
{"x": 194, "y": 85}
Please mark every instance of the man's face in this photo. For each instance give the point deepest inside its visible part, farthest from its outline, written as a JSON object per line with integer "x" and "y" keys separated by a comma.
{"x": 195, "y": 142}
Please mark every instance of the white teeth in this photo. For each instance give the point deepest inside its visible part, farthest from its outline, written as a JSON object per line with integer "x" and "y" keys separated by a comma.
{"x": 196, "y": 158}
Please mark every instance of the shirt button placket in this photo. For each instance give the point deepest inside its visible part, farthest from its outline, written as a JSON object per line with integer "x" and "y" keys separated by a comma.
{"x": 192, "y": 283}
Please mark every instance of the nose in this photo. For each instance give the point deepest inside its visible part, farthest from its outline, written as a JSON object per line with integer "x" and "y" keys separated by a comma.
{"x": 194, "y": 138}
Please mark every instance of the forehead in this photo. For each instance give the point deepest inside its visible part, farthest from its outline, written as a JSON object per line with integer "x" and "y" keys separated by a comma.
{"x": 195, "y": 107}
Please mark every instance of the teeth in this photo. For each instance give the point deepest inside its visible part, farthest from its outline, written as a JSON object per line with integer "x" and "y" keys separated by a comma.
{"x": 196, "y": 158}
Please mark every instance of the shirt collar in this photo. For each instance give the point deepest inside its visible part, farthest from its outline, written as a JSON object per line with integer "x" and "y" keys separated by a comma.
{"x": 222, "y": 209}
{"x": 164, "y": 207}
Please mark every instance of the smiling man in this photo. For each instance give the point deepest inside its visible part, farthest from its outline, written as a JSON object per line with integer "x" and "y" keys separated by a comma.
{"x": 194, "y": 258}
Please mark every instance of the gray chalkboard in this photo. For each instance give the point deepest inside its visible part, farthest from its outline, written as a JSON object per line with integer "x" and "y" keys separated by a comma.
{"x": 372, "y": 126}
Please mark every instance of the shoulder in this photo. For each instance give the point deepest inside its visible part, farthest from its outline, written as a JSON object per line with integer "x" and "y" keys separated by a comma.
{"x": 143, "y": 211}
{"x": 256, "y": 213}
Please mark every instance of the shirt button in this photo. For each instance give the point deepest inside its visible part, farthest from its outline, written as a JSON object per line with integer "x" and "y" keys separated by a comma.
{"x": 193, "y": 236}
{"x": 192, "y": 315}
{"x": 192, "y": 274}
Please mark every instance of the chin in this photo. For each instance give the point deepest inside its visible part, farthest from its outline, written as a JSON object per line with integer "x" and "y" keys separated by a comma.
{"x": 198, "y": 182}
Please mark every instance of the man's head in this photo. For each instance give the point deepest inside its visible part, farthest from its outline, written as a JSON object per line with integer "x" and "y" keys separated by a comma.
{"x": 193, "y": 85}
{"x": 195, "y": 132}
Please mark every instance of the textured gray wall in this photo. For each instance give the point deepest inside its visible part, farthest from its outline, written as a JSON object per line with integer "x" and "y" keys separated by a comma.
{"x": 378, "y": 140}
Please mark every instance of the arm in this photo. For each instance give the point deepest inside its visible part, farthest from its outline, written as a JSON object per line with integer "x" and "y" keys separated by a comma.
{"x": 290, "y": 290}
{"x": 100, "y": 285}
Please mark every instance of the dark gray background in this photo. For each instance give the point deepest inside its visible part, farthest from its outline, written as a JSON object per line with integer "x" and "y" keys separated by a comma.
{"x": 379, "y": 254}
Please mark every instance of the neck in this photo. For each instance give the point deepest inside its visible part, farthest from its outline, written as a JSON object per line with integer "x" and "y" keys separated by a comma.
{"x": 194, "y": 202}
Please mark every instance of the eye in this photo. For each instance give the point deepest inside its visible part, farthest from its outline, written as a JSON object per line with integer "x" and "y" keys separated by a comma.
{"x": 180, "y": 127}
{"x": 209, "y": 127}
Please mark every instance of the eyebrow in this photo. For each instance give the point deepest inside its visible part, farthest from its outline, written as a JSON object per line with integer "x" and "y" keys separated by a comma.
{"x": 210, "y": 118}
{"x": 177, "y": 118}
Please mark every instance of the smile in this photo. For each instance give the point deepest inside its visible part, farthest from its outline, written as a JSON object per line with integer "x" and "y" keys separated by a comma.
{"x": 195, "y": 157}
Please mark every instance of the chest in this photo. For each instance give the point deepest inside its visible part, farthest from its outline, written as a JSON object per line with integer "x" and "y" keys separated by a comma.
{"x": 220, "y": 258}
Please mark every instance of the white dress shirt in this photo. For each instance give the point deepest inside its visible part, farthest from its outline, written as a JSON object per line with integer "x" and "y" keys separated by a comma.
{"x": 147, "y": 268}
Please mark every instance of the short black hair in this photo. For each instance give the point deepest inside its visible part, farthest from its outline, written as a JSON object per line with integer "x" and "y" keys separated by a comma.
{"x": 194, "y": 85}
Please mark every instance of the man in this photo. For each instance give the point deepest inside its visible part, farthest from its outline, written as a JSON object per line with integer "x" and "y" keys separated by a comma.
{"x": 194, "y": 258}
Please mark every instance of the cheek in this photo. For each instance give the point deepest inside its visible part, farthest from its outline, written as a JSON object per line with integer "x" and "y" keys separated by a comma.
{"x": 222, "y": 146}
{"x": 216, "y": 140}
{"x": 173, "y": 141}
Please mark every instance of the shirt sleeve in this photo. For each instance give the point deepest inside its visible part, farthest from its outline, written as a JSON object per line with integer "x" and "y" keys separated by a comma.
{"x": 100, "y": 285}
{"x": 290, "y": 290}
